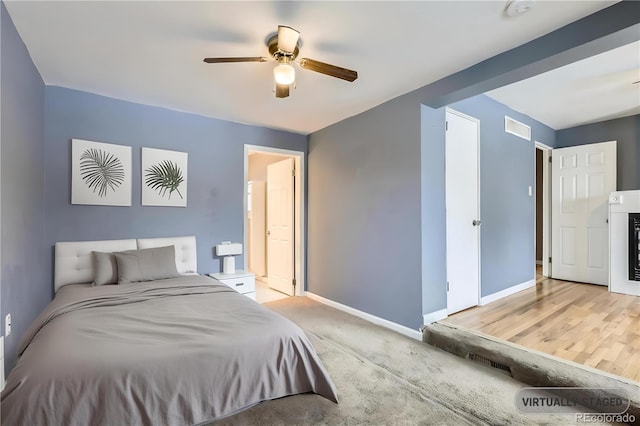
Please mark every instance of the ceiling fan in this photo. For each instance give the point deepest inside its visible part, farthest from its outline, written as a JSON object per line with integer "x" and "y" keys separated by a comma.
{"x": 284, "y": 48}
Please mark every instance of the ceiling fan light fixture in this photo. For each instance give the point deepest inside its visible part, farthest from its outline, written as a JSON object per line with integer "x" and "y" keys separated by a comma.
{"x": 284, "y": 47}
{"x": 287, "y": 39}
{"x": 284, "y": 74}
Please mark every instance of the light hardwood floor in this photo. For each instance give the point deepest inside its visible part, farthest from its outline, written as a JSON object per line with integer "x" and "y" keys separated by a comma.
{"x": 579, "y": 322}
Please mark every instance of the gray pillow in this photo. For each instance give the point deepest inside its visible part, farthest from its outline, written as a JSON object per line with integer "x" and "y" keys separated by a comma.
{"x": 105, "y": 268}
{"x": 146, "y": 265}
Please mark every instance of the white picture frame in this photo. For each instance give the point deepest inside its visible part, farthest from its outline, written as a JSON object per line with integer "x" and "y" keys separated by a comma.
{"x": 100, "y": 173}
{"x": 164, "y": 177}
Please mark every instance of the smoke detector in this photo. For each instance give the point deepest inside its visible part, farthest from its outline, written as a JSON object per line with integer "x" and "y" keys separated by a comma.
{"x": 518, "y": 7}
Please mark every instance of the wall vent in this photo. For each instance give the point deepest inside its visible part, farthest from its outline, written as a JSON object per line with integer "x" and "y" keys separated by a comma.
{"x": 517, "y": 128}
{"x": 489, "y": 363}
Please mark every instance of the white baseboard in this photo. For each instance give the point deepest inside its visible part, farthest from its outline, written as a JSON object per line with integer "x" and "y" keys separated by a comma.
{"x": 507, "y": 292}
{"x": 414, "y": 334}
{"x": 435, "y": 316}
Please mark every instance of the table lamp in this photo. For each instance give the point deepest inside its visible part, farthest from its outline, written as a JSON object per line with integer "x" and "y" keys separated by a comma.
{"x": 228, "y": 250}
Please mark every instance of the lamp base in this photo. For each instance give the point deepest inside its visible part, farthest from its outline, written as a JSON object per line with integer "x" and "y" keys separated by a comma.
{"x": 229, "y": 265}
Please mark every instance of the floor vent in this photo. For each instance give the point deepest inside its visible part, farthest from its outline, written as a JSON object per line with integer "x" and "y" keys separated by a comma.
{"x": 490, "y": 363}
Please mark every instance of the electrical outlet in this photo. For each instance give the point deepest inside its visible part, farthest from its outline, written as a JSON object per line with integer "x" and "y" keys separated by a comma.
{"x": 7, "y": 325}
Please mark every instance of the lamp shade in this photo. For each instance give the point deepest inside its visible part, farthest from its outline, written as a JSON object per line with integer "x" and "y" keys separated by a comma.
{"x": 287, "y": 38}
{"x": 233, "y": 249}
{"x": 284, "y": 74}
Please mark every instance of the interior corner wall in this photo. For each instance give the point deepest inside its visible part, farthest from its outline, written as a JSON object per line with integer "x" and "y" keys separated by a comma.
{"x": 364, "y": 238}
{"x": 626, "y": 131}
{"x": 377, "y": 217}
{"x": 507, "y": 169}
{"x": 433, "y": 213}
{"x": 26, "y": 286}
{"x": 215, "y": 183}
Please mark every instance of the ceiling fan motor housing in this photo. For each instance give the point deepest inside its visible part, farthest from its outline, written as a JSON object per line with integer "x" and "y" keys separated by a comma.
{"x": 279, "y": 55}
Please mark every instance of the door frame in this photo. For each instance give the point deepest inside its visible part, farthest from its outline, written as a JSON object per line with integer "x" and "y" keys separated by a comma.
{"x": 546, "y": 207}
{"x": 300, "y": 241}
{"x": 477, "y": 121}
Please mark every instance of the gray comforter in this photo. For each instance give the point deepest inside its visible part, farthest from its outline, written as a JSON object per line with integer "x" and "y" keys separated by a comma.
{"x": 179, "y": 351}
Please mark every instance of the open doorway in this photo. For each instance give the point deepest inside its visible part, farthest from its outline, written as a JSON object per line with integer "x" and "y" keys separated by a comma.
{"x": 542, "y": 211}
{"x": 273, "y": 213}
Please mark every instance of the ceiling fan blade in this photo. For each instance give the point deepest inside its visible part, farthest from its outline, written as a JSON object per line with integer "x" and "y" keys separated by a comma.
{"x": 287, "y": 39}
{"x": 238, "y": 59}
{"x": 332, "y": 70}
{"x": 282, "y": 90}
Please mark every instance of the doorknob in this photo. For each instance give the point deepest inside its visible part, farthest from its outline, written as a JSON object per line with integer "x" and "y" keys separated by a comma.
{"x": 268, "y": 232}
{"x": 476, "y": 222}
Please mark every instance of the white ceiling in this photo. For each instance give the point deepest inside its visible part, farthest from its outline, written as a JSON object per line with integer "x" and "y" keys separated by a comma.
{"x": 151, "y": 51}
{"x": 594, "y": 89}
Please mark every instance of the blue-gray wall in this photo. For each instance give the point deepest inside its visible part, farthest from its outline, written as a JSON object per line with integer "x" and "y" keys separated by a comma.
{"x": 377, "y": 212}
{"x": 507, "y": 169}
{"x": 433, "y": 213}
{"x": 624, "y": 130}
{"x": 364, "y": 212}
{"x": 215, "y": 174}
{"x": 26, "y": 283}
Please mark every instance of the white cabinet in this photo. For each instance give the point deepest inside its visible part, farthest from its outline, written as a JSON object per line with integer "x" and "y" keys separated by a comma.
{"x": 241, "y": 281}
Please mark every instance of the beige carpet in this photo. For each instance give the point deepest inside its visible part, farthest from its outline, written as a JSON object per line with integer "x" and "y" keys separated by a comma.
{"x": 384, "y": 378}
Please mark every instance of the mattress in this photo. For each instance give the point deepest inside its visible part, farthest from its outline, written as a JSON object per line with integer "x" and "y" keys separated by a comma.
{"x": 179, "y": 351}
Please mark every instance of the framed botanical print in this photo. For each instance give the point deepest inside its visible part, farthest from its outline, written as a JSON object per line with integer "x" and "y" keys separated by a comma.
{"x": 164, "y": 177}
{"x": 100, "y": 173}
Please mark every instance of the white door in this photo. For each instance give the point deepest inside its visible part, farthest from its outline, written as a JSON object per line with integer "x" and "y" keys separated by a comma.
{"x": 582, "y": 178}
{"x": 280, "y": 186}
{"x": 463, "y": 251}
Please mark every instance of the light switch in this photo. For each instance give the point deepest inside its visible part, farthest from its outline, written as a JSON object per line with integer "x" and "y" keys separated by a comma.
{"x": 615, "y": 198}
{"x": 530, "y": 190}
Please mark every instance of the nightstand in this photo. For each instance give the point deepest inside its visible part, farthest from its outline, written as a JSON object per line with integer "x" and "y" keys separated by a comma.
{"x": 241, "y": 281}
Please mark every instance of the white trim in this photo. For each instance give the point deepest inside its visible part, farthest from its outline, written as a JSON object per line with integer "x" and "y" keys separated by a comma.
{"x": 300, "y": 239}
{"x": 546, "y": 207}
{"x": 543, "y": 146}
{"x": 406, "y": 331}
{"x": 434, "y": 316}
{"x": 463, "y": 115}
{"x": 507, "y": 292}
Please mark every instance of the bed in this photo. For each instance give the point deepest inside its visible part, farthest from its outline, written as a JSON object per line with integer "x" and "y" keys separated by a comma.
{"x": 176, "y": 351}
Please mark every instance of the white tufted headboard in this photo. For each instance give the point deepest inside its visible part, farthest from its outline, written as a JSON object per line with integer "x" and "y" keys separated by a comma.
{"x": 186, "y": 253}
{"x": 74, "y": 261}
